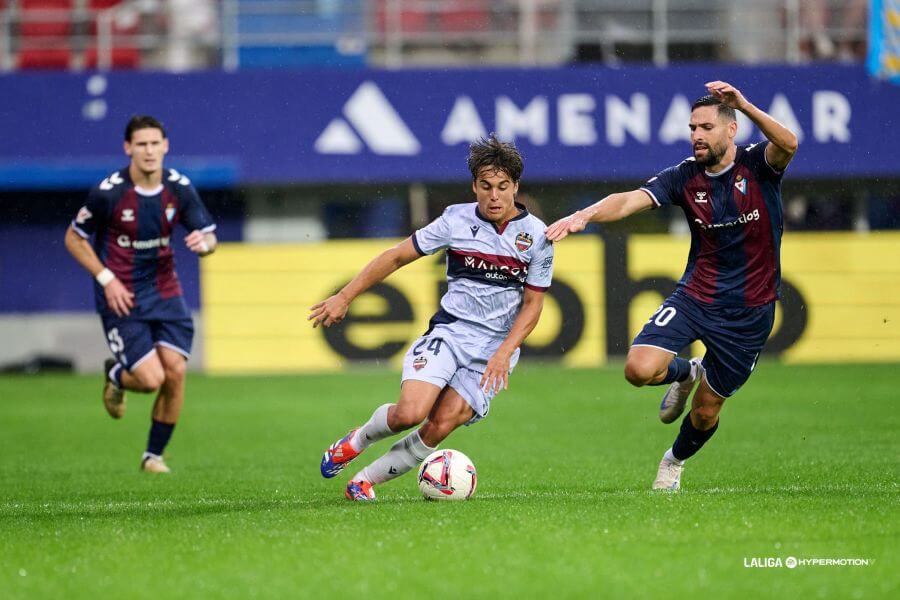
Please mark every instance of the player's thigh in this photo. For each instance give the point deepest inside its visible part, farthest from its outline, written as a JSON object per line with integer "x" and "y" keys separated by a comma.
{"x": 734, "y": 341}
{"x": 174, "y": 363}
{"x": 129, "y": 340}
{"x": 671, "y": 328}
{"x": 449, "y": 412}
{"x": 428, "y": 367}
{"x": 176, "y": 335}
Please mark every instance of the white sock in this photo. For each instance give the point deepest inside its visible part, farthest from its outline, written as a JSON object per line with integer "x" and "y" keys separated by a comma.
{"x": 671, "y": 457}
{"x": 376, "y": 428}
{"x": 403, "y": 456}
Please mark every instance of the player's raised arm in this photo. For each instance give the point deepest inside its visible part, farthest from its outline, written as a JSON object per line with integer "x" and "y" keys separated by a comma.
{"x": 332, "y": 310}
{"x": 784, "y": 142}
{"x": 612, "y": 208}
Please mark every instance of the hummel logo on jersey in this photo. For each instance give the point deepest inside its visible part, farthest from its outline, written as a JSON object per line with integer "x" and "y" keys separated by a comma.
{"x": 741, "y": 184}
{"x": 374, "y": 120}
{"x": 474, "y": 229}
{"x": 127, "y": 215}
{"x": 393, "y": 470}
{"x": 111, "y": 181}
{"x": 700, "y": 197}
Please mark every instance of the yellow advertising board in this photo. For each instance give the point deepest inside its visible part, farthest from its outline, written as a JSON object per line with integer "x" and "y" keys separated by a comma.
{"x": 841, "y": 301}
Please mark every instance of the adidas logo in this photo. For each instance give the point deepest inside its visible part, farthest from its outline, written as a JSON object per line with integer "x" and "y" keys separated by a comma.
{"x": 368, "y": 115}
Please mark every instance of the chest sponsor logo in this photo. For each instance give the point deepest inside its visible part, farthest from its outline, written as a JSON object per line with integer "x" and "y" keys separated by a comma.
{"x": 126, "y": 242}
{"x": 523, "y": 241}
{"x": 127, "y": 215}
{"x": 83, "y": 215}
{"x": 700, "y": 197}
{"x": 740, "y": 184}
{"x": 741, "y": 220}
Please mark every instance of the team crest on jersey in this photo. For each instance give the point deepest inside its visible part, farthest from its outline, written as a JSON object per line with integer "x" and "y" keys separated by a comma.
{"x": 741, "y": 184}
{"x": 700, "y": 197}
{"x": 127, "y": 215}
{"x": 170, "y": 213}
{"x": 523, "y": 241}
{"x": 420, "y": 363}
{"x": 83, "y": 215}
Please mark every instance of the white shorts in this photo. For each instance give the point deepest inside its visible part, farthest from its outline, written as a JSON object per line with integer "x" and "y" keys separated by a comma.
{"x": 440, "y": 358}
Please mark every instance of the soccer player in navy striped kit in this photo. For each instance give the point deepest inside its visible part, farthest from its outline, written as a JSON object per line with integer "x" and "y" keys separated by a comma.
{"x": 132, "y": 215}
{"x": 731, "y": 198}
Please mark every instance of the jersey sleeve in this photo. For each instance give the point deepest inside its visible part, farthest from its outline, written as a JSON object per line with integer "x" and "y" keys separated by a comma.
{"x": 756, "y": 159}
{"x": 664, "y": 187}
{"x": 435, "y": 236}
{"x": 540, "y": 271}
{"x": 193, "y": 213}
{"x": 92, "y": 215}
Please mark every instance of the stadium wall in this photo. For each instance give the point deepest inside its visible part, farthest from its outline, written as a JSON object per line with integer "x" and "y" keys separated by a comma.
{"x": 841, "y": 302}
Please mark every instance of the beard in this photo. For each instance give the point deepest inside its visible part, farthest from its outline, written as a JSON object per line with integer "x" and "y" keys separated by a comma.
{"x": 713, "y": 156}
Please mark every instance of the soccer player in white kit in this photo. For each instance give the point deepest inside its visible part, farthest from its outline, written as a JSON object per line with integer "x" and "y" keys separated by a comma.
{"x": 499, "y": 264}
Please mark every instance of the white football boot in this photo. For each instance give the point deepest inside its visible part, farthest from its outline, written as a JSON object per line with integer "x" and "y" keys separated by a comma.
{"x": 676, "y": 396}
{"x": 154, "y": 464}
{"x": 668, "y": 478}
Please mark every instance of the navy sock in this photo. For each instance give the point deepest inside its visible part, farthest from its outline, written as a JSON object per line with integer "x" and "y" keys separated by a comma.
{"x": 159, "y": 436}
{"x": 115, "y": 374}
{"x": 679, "y": 370}
{"x": 690, "y": 439}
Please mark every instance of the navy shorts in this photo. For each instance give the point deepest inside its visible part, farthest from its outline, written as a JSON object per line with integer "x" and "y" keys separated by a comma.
{"x": 733, "y": 336}
{"x": 133, "y": 340}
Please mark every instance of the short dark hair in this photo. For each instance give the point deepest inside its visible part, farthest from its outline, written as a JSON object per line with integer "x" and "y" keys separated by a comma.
{"x": 491, "y": 152}
{"x": 142, "y": 122}
{"x": 724, "y": 110}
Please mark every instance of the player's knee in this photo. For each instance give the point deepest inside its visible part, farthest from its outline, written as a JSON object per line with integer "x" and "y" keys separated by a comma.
{"x": 150, "y": 379}
{"x": 639, "y": 373}
{"x": 176, "y": 371}
{"x": 402, "y": 417}
{"x": 707, "y": 415}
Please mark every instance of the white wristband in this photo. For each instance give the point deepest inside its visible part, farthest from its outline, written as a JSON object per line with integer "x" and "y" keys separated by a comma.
{"x": 104, "y": 277}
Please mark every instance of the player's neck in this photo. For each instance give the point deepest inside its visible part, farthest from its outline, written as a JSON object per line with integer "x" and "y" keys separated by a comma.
{"x": 725, "y": 162}
{"x": 145, "y": 180}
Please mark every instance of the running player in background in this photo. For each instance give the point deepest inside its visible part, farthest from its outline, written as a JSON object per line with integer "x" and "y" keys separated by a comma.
{"x": 499, "y": 264}
{"x": 131, "y": 216}
{"x": 726, "y": 298}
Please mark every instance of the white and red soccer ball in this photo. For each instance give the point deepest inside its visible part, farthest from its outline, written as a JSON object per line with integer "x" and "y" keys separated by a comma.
{"x": 447, "y": 475}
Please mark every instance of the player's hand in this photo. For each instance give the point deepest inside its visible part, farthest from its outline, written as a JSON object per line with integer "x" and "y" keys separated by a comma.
{"x": 572, "y": 224}
{"x": 496, "y": 375}
{"x": 118, "y": 298}
{"x": 196, "y": 242}
{"x": 329, "y": 312}
{"x": 728, "y": 94}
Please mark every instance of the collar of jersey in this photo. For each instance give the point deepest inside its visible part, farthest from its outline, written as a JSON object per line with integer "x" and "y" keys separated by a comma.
{"x": 148, "y": 193}
{"x": 720, "y": 173}
{"x": 521, "y": 215}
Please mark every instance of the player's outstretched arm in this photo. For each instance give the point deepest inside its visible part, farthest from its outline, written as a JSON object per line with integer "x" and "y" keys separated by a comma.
{"x": 118, "y": 298}
{"x": 612, "y": 208}
{"x": 496, "y": 374}
{"x": 200, "y": 243}
{"x": 332, "y": 310}
{"x": 784, "y": 142}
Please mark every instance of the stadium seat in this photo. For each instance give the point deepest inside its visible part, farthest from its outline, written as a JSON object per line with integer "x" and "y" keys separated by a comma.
{"x": 462, "y": 20}
{"x": 122, "y": 57}
{"x": 44, "y": 58}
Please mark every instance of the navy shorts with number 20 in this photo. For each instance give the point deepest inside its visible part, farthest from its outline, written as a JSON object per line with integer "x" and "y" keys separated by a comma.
{"x": 733, "y": 336}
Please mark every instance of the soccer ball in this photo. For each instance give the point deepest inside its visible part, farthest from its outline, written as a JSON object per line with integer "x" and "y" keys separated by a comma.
{"x": 447, "y": 475}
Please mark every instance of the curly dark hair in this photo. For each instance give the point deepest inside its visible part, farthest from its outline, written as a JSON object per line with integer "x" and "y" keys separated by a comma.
{"x": 492, "y": 153}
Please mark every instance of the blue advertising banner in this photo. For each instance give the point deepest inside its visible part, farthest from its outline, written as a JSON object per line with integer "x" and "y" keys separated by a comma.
{"x": 355, "y": 126}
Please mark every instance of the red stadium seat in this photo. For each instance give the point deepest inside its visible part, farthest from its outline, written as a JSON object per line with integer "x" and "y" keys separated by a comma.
{"x": 411, "y": 21}
{"x": 465, "y": 20}
{"x": 44, "y": 58}
{"x": 121, "y": 58}
{"x": 45, "y": 18}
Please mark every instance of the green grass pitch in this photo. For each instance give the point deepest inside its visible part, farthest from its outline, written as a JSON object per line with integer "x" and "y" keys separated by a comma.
{"x": 805, "y": 464}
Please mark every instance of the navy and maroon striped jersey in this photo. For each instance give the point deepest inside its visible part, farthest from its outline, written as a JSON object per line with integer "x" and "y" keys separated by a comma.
{"x": 735, "y": 218}
{"x": 133, "y": 234}
{"x": 488, "y": 266}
